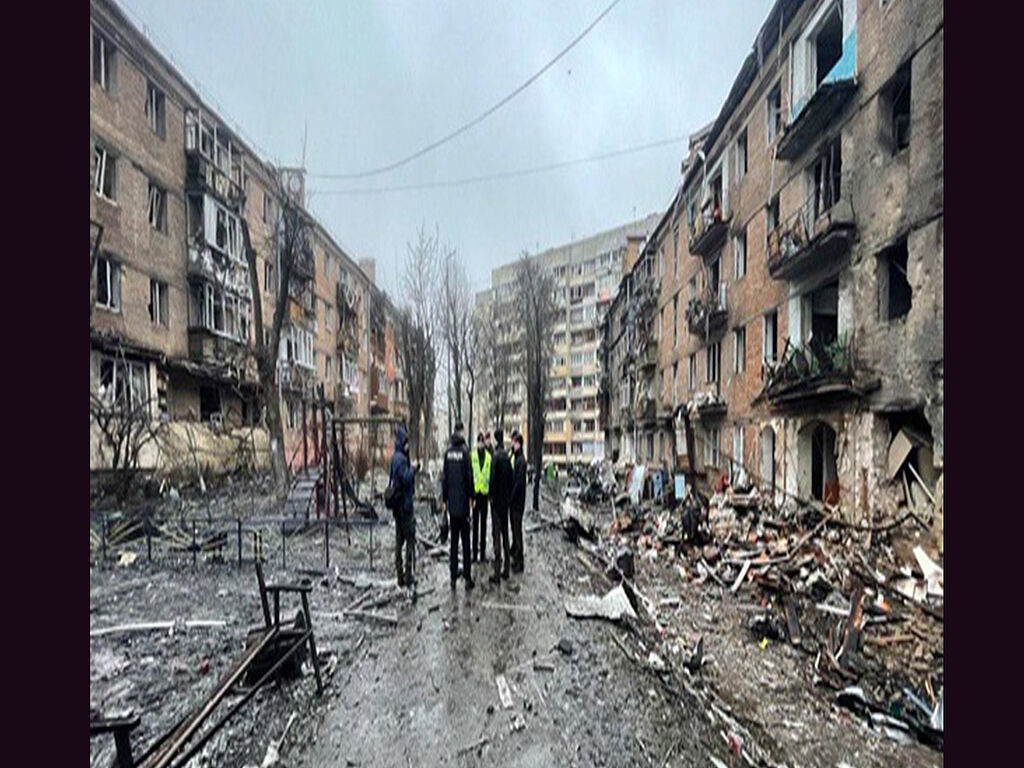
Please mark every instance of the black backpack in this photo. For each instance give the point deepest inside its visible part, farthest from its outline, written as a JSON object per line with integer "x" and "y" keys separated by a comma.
{"x": 392, "y": 495}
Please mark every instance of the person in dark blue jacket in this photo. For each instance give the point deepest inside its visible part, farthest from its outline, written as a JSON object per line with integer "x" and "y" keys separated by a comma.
{"x": 456, "y": 493}
{"x": 403, "y": 474}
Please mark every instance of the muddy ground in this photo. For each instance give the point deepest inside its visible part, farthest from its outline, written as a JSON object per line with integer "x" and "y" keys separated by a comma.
{"x": 423, "y": 692}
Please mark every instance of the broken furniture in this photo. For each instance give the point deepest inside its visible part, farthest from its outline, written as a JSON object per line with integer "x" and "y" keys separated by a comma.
{"x": 121, "y": 727}
{"x": 274, "y": 642}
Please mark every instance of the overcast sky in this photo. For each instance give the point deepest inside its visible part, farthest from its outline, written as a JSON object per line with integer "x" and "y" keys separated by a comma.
{"x": 374, "y": 81}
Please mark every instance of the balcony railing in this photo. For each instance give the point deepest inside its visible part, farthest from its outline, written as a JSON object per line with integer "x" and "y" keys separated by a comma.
{"x": 202, "y": 173}
{"x": 812, "y": 370}
{"x": 709, "y": 228}
{"x": 820, "y": 230}
{"x": 707, "y": 313}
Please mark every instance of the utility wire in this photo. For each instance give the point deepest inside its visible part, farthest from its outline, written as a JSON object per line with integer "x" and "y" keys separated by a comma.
{"x": 476, "y": 120}
{"x": 503, "y": 174}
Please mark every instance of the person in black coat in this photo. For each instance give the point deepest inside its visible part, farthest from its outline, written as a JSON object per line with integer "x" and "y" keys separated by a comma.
{"x": 500, "y": 494}
{"x": 518, "y": 501}
{"x": 403, "y": 474}
{"x": 456, "y": 493}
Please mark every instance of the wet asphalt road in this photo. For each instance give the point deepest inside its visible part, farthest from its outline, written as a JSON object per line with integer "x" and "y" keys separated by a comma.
{"x": 419, "y": 694}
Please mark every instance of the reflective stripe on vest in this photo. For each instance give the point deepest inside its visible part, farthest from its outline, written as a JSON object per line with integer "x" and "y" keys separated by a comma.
{"x": 481, "y": 477}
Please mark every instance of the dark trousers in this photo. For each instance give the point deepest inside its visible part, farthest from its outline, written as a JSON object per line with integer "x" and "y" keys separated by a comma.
{"x": 459, "y": 532}
{"x": 499, "y": 528}
{"x": 516, "y": 519}
{"x": 405, "y": 533}
{"x": 480, "y": 527}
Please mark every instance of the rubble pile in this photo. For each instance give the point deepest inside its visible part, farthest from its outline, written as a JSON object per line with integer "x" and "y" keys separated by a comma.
{"x": 863, "y": 603}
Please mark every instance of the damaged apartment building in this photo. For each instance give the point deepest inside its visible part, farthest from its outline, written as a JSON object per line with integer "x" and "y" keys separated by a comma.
{"x": 790, "y": 298}
{"x": 171, "y": 297}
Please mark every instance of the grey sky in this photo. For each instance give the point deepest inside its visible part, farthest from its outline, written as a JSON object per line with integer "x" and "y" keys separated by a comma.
{"x": 375, "y": 81}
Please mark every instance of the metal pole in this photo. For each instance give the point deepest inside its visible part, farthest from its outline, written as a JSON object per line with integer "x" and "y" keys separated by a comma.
{"x": 305, "y": 462}
{"x": 193, "y": 543}
{"x": 239, "y": 521}
{"x": 284, "y": 562}
{"x": 327, "y": 543}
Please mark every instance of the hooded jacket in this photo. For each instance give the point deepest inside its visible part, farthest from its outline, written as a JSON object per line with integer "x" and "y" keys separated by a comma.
{"x": 401, "y": 471}
{"x": 501, "y": 479}
{"x": 457, "y": 478}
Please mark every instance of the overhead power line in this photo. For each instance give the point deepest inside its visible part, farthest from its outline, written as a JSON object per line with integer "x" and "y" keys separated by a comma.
{"x": 476, "y": 120}
{"x": 502, "y": 174}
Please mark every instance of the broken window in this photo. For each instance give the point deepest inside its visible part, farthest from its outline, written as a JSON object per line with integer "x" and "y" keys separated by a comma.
{"x": 739, "y": 250}
{"x": 820, "y": 315}
{"x": 771, "y": 213}
{"x": 675, "y": 321}
{"x": 714, "y": 275}
{"x": 774, "y": 111}
{"x": 209, "y": 404}
{"x": 123, "y": 382}
{"x": 268, "y": 208}
{"x": 769, "y": 336}
{"x": 713, "y": 360}
{"x": 741, "y": 155}
{"x": 161, "y": 395}
{"x": 108, "y": 283}
{"x": 104, "y": 173}
{"x": 195, "y": 216}
{"x": 712, "y": 457}
{"x": 158, "y": 311}
{"x": 269, "y": 283}
{"x": 155, "y": 117}
{"x": 826, "y": 177}
{"x": 693, "y": 372}
{"x": 828, "y": 43}
{"x": 768, "y": 456}
{"x": 103, "y": 61}
{"x": 736, "y": 463}
{"x": 895, "y": 103}
{"x": 739, "y": 338}
{"x": 221, "y": 239}
{"x": 157, "y": 208}
{"x": 818, "y": 462}
{"x": 895, "y": 295}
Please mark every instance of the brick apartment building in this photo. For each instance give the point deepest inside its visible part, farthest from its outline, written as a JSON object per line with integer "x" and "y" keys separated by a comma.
{"x": 171, "y": 326}
{"x": 790, "y": 298}
{"x": 587, "y": 274}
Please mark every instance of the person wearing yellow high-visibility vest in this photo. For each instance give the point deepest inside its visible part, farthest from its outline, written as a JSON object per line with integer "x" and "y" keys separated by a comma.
{"x": 480, "y": 460}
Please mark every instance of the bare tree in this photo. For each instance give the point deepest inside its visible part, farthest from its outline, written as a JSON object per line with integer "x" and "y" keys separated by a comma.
{"x": 535, "y": 288}
{"x": 417, "y": 337}
{"x": 471, "y": 354}
{"x": 494, "y": 366}
{"x": 456, "y": 304}
{"x": 291, "y": 242}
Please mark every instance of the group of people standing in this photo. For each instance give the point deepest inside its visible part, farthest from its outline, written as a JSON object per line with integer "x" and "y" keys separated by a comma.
{"x": 472, "y": 480}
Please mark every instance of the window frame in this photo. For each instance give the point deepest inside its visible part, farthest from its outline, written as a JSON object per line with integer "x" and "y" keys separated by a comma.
{"x": 161, "y": 305}
{"x": 156, "y": 109}
{"x": 112, "y": 268}
{"x": 154, "y": 189}
{"x": 106, "y": 161}
{"x": 739, "y": 361}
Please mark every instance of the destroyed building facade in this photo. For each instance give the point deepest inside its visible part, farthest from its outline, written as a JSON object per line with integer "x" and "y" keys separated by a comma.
{"x": 171, "y": 305}
{"x": 798, "y": 271}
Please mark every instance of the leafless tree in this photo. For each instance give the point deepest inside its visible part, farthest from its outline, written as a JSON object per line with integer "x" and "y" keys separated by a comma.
{"x": 471, "y": 354}
{"x": 535, "y": 312}
{"x": 291, "y": 242}
{"x": 495, "y": 346}
{"x": 456, "y": 304}
{"x": 417, "y": 337}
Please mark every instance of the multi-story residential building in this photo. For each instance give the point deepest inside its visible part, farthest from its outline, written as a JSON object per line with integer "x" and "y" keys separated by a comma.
{"x": 171, "y": 295}
{"x": 586, "y": 274}
{"x": 802, "y": 320}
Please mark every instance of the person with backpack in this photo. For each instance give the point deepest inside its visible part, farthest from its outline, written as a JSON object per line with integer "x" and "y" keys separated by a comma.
{"x": 398, "y": 498}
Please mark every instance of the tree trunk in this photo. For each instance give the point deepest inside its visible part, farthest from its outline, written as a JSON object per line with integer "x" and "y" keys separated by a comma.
{"x": 278, "y": 460}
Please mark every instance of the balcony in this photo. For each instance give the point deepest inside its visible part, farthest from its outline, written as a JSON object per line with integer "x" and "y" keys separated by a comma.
{"x": 708, "y": 404}
{"x": 709, "y": 313}
{"x": 709, "y": 229}
{"x": 813, "y": 372}
{"x": 811, "y": 238}
{"x": 213, "y": 348}
{"x": 202, "y": 174}
{"x": 812, "y": 114}
{"x": 378, "y": 391}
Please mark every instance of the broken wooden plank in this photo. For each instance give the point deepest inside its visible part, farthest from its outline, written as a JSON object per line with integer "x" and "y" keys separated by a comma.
{"x": 739, "y": 579}
{"x": 150, "y": 626}
{"x": 792, "y": 621}
{"x": 853, "y": 626}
